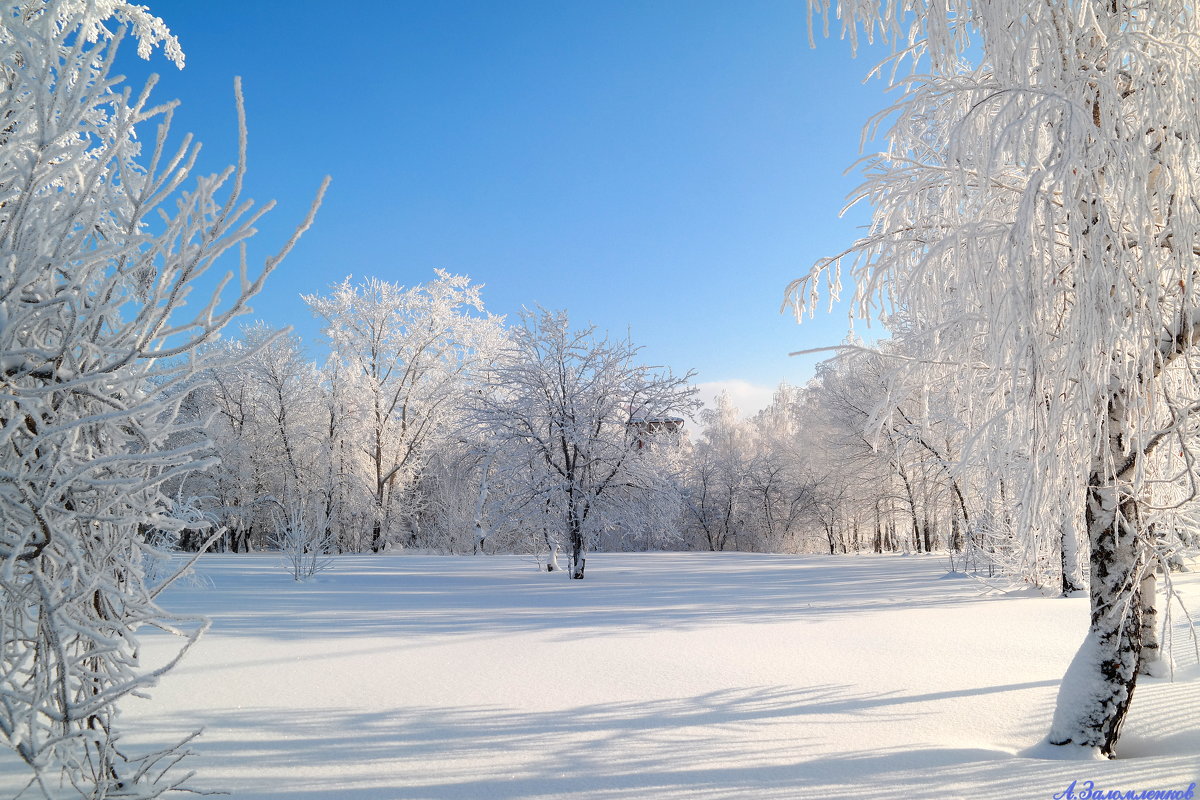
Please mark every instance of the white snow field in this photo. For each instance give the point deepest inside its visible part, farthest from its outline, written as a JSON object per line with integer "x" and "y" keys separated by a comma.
{"x": 666, "y": 675}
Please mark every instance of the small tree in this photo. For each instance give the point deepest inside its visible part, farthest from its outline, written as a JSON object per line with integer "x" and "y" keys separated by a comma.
{"x": 561, "y": 402}
{"x": 304, "y": 540}
{"x": 94, "y": 354}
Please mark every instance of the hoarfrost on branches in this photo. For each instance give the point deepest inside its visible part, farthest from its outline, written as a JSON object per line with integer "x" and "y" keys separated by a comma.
{"x": 95, "y": 360}
{"x": 304, "y": 540}
{"x": 1037, "y": 223}
{"x": 572, "y": 411}
{"x": 407, "y": 352}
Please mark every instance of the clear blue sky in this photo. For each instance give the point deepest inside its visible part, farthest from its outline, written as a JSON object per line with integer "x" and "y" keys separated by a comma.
{"x": 660, "y": 167}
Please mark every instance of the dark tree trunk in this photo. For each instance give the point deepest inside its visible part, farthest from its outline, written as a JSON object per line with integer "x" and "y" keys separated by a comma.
{"x": 879, "y": 530}
{"x": 577, "y": 548}
{"x": 912, "y": 507}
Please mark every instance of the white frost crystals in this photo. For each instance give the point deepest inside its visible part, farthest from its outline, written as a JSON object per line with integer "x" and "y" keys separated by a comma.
{"x": 1037, "y": 224}
{"x": 558, "y": 404}
{"x": 97, "y": 251}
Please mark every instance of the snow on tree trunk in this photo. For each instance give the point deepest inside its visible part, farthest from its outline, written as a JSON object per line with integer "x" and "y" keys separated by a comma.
{"x": 481, "y": 529}
{"x": 577, "y": 560}
{"x": 1098, "y": 686}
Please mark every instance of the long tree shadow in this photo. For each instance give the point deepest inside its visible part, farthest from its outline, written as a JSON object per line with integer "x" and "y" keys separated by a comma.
{"x": 677, "y": 748}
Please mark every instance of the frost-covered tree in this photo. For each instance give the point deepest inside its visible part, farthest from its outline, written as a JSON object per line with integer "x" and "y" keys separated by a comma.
{"x": 264, "y": 404}
{"x": 409, "y": 353}
{"x": 455, "y": 488}
{"x": 570, "y": 408}
{"x": 1037, "y": 222}
{"x": 717, "y": 499}
{"x": 349, "y": 512}
{"x": 652, "y": 501}
{"x": 891, "y": 433}
{"x": 780, "y": 478}
{"x": 303, "y": 538}
{"x": 98, "y": 250}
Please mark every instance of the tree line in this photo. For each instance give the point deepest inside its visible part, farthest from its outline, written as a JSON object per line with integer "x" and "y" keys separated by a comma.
{"x": 434, "y": 425}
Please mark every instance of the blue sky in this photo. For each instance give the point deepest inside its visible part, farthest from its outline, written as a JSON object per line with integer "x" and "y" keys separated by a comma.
{"x": 662, "y": 168}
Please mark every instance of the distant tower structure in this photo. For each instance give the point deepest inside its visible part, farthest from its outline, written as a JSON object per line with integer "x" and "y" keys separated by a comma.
{"x": 646, "y": 429}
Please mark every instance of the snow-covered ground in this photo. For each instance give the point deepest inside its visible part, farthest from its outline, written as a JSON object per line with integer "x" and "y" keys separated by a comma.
{"x": 660, "y": 676}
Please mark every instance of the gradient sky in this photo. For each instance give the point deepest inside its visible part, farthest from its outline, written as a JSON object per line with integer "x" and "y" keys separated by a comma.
{"x": 663, "y": 168}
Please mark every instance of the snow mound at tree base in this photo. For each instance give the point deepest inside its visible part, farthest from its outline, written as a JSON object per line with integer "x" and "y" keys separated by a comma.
{"x": 1063, "y": 752}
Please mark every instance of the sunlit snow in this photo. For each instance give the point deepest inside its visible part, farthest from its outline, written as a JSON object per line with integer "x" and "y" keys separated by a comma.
{"x": 683, "y": 675}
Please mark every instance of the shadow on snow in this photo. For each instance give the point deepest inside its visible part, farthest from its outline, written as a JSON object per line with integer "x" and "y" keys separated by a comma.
{"x": 436, "y": 596}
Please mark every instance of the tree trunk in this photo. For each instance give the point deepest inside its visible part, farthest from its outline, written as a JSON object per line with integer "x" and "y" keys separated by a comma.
{"x": 377, "y": 536}
{"x": 878, "y": 530}
{"x": 481, "y": 530}
{"x": 1098, "y": 687}
{"x": 1152, "y": 663}
{"x": 912, "y": 506}
{"x": 1071, "y": 579}
{"x": 577, "y": 549}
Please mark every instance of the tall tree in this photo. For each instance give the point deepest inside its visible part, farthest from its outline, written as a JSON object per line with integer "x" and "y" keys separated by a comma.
{"x": 410, "y": 352}
{"x": 1036, "y": 220}
{"x": 573, "y": 406}
{"x": 717, "y": 500}
{"x": 266, "y": 422}
{"x": 99, "y": 250}
{"x": 780, "y": 479}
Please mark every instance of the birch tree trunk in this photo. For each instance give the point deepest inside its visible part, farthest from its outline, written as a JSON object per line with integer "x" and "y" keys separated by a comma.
{"x": 1153, "y": 663}
{"x": 1098, "y": 687}
{"x": 1069, "y": 552}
